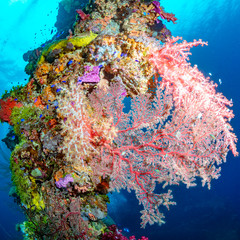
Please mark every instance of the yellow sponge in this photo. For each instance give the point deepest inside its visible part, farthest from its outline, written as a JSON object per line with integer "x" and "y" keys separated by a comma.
{"x": 81, "y": 40}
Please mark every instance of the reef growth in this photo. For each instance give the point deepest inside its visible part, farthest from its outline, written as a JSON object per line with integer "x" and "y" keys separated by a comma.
{"x": 74, "y": 142}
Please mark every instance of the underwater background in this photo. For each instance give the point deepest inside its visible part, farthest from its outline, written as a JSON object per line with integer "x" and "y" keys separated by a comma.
{"x": 199, "y": 213}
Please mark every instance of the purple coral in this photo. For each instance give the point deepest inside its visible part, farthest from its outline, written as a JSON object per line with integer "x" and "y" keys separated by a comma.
{"x": 63, "y": 182}
{"x": 90, "y": 76}
{"x": 157, "y": 8}
{"x": 168, "y": 16}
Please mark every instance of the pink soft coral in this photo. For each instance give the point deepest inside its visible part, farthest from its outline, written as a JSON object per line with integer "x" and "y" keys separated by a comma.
{"x": 115, "y": 234}
{"x": 187, "y": 82}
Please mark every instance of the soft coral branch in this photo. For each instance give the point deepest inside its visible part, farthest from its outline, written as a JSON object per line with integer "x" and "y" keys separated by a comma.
{"x": 159, "y": 142}
{"x": 184, "y": 81}
{"x": 175, "y": 136}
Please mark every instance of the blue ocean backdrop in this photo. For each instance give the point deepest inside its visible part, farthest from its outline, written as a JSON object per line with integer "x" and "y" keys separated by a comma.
{"x": 200, "y": 214}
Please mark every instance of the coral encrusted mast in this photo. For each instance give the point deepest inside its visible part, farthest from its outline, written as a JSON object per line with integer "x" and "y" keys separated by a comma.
{"x": 76, "y": 143}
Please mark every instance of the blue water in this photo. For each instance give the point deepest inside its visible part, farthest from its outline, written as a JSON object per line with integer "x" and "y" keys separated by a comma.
{"x": 200, "y": 213}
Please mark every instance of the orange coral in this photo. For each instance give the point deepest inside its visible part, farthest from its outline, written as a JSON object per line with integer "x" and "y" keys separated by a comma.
{"x": 103, "y": 187}
{"x": 60, "y": 68}
{"x": 52, "y": 123}
{"x": 38, "y": 103}
{"x": 43, "y": 69}
{"x": 58, "y": 175}
{"x": 48, "y": 94}
{"x": 30, "y": 85}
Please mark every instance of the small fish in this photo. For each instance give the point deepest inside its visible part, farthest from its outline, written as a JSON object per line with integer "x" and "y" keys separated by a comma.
{"x": 59, "y": 34}
{"x": 212, "y": 136}
{"x": 92, "y": 217}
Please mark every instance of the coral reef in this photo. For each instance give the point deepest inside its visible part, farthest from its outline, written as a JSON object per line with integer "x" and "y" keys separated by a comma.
{"x": 75, "y": 142}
